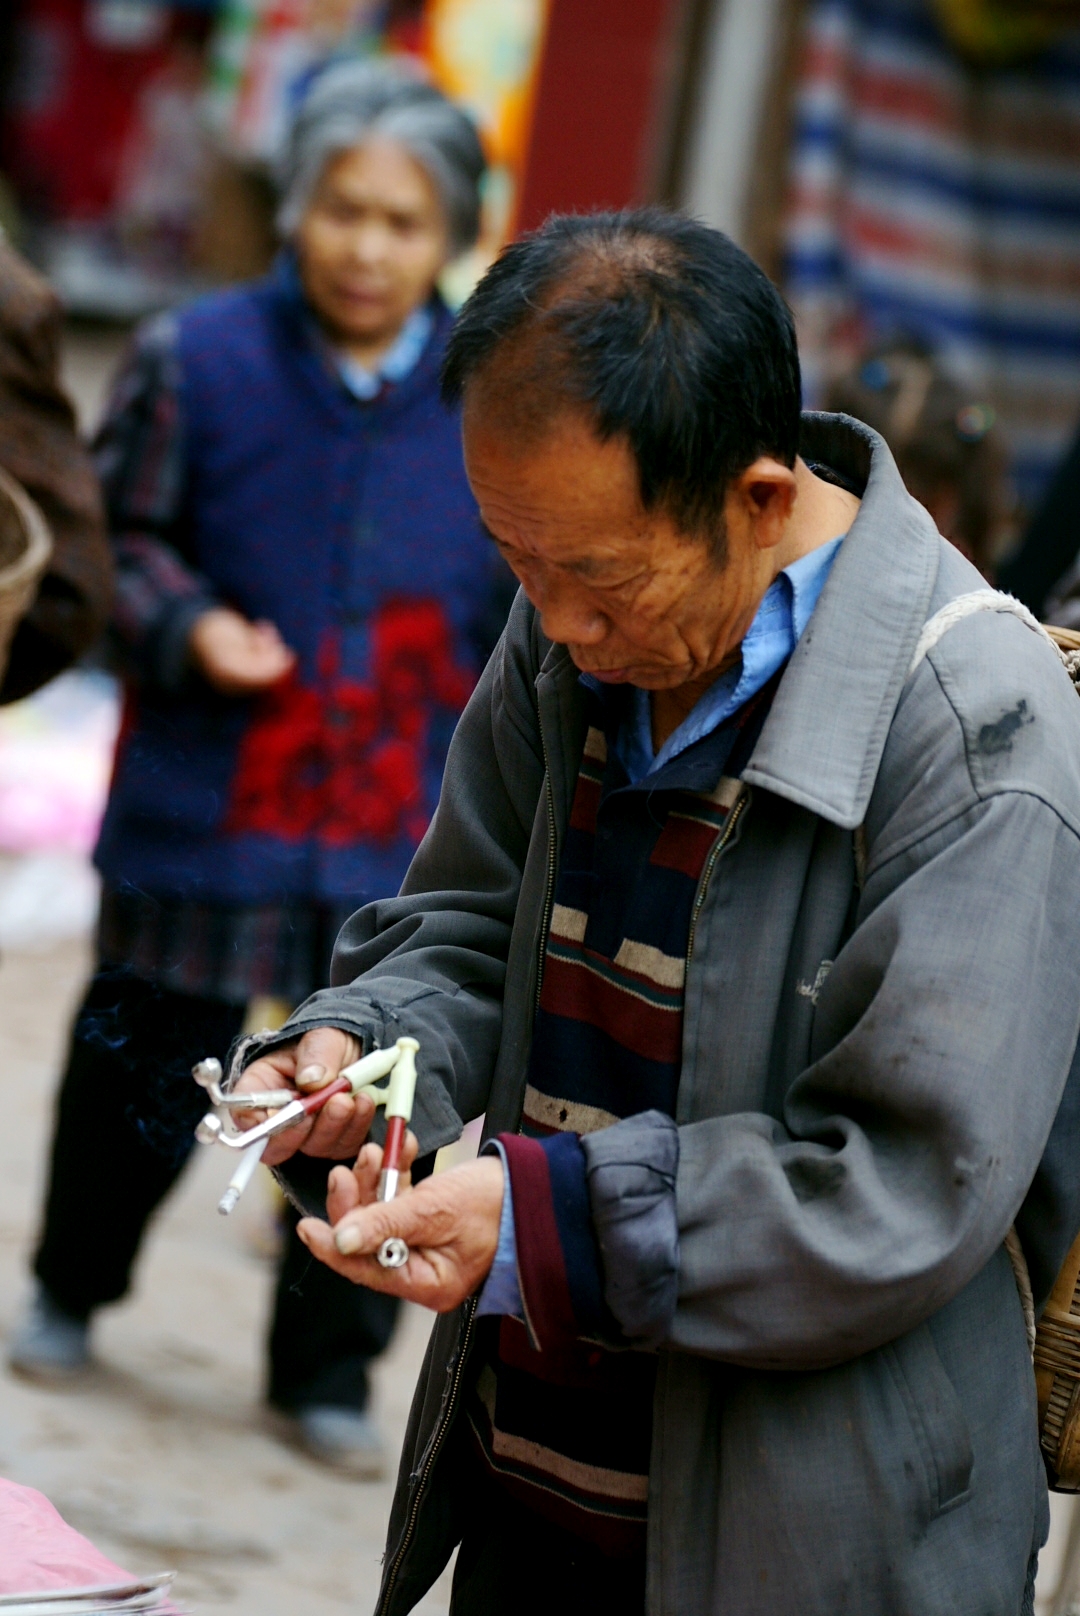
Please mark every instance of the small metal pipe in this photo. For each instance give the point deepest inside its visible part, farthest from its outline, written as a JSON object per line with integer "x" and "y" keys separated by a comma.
{"x": 266, "y": 1100}
{"x": 245, "y": 1172}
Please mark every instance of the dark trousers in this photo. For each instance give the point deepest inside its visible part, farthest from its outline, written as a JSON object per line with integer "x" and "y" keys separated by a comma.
{"x": 125, "y": 1124}
{"x": 511, "y": 1559}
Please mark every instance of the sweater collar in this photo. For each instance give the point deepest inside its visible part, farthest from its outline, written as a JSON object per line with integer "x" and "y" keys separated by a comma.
{"x": 823, "y": 741}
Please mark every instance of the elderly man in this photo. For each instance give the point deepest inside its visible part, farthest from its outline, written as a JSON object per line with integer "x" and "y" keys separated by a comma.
{"x": 748, "y": 916}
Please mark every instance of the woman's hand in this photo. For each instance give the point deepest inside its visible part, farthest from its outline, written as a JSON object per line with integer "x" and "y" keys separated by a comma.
{"x": 341, "y": 1127}
{"x": 449, "y": 1222}
{"x": 235, "y": 656}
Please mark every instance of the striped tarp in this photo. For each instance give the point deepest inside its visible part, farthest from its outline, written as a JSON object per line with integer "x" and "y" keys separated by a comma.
{"x": 934, "y": 200}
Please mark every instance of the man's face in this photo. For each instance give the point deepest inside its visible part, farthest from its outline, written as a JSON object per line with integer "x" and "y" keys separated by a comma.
{"x": 634, "y": 599}
{"x": 372, "y": 241}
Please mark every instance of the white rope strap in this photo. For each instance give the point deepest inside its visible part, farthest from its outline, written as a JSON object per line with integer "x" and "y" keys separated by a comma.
{"x": 980, "y": 600}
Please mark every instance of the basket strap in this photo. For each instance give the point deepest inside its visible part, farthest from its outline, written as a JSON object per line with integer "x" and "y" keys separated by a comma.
{"x": 1023, "y": 1284}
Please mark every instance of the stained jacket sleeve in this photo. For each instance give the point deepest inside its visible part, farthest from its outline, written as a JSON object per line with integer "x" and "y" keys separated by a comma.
{"x": 140, "y": 456}
{"x": 40, "y": 447}
{"x": 944, "y": 1033}
{"x": 432, "y": 961}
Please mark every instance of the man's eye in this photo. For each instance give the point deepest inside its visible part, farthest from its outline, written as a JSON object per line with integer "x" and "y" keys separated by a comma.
{"x": 607, "y": 586}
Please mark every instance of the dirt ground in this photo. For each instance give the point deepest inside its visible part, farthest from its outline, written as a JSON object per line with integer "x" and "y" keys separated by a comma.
{"x": 161, "y": 1457}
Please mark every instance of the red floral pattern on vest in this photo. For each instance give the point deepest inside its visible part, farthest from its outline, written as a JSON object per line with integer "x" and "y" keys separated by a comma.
{"x": 344, "y": 761}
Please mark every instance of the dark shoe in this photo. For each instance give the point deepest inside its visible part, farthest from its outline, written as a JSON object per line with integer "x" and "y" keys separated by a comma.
{"x": 343, "y": 1438}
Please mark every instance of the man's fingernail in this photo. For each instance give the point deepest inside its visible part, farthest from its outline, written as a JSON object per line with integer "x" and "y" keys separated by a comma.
{"x": 311, "y": 1077}
{"x": 347, "y": 1240}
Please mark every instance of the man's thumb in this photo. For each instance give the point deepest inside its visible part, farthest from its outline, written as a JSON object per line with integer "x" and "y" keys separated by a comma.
{"x": 320, "y": 1055}
{"x": 364, "y": 1230}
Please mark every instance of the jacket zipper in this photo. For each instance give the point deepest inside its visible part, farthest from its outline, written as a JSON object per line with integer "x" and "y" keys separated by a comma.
{"x": 466, "y": 1334}
{"x": 549, "y": 891}
{"x": 714, "y": 853}
{"x": 436, "y": 1449}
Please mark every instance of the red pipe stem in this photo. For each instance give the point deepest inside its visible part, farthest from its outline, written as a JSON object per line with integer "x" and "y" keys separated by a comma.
{"x": 395, "y": 1140}
{"x": 316, "y": 1101}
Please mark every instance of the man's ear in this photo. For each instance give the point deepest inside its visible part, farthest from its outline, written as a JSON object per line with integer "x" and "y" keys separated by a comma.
{"x": 766, "y": 491}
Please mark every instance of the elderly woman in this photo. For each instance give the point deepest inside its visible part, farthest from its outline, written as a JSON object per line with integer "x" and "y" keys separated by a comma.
{"x": 304, "y": 596}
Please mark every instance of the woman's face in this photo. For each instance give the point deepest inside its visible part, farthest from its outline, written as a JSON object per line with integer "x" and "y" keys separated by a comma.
{"x": 371, "y": 243}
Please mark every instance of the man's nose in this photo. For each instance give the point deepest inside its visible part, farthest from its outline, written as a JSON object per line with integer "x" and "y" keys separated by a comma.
{"x": 567, "y": 615}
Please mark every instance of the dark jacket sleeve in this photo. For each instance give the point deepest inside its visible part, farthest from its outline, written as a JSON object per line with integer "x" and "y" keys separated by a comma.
{"x": 40, "y": 447}
{"x": 140, "y": 456}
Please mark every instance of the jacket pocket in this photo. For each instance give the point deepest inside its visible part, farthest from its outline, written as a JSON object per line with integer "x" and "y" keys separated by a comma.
{"x": 937, "y": 1419}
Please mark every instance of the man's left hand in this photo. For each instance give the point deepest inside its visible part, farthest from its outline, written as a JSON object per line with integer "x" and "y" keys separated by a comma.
{"x": 449, "y": 1222}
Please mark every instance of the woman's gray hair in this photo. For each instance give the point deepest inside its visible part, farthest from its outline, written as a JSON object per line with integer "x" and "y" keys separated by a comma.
{"x": 352, "y": 101}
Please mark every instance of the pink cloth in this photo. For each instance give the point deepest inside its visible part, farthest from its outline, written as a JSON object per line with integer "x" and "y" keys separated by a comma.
{"x": 39, "y": 1550}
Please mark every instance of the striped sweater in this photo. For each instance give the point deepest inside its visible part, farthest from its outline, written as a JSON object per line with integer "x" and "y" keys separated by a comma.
{"x": 561, "y": 1412}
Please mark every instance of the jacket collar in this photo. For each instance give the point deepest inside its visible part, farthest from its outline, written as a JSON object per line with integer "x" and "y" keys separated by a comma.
{"x": 823, "y": 741}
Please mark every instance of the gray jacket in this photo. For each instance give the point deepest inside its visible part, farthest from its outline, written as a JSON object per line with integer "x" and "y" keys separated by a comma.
{"x": 882, "y": 1007}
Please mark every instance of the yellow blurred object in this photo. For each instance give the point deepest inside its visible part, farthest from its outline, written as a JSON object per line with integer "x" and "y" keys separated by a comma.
{"x": 485, "y": 54}
{"x": 997, "y": 33}
{"x": 265, "y": 1014}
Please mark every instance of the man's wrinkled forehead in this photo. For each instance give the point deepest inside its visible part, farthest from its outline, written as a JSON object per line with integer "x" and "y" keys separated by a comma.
{"x": 529, "y": 472}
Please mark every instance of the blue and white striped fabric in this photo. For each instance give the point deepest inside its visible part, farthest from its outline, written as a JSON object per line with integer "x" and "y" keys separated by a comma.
{"x": 931, "y": 200}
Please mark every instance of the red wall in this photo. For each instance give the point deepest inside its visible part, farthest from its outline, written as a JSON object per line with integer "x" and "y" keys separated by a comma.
{"x": 601, "y": 78}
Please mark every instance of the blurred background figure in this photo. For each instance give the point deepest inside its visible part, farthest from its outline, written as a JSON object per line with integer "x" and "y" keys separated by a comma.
{"x": 1045, "y": 571}
{"x": 40, "y": 448}
{"x": 305, "y": 599}
{"x": 947, "y": 448}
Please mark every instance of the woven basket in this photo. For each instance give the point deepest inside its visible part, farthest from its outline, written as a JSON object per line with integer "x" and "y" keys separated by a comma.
{"x": 1057, "y": 1377}
{"x": 25, "y": 548}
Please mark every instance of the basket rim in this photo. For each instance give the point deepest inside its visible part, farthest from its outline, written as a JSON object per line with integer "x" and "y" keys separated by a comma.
{"x": 39, "y": 541}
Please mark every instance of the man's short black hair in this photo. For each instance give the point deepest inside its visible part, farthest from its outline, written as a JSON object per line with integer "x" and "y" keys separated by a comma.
{"x": 661, "y": 329}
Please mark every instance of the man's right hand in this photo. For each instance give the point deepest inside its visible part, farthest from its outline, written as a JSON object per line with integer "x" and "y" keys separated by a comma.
{"x": 340, "y": 1128}
{"x": 235, "y": 656}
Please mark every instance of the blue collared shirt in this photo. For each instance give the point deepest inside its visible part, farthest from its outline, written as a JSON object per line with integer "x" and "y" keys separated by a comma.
{"x": 401, "y": 359}
{"x": 397, "y": 363}
{"x": 772, "y": 636}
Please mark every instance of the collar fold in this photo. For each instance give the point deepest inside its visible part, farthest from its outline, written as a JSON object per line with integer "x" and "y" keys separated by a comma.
{"x": 824, "y": 738}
